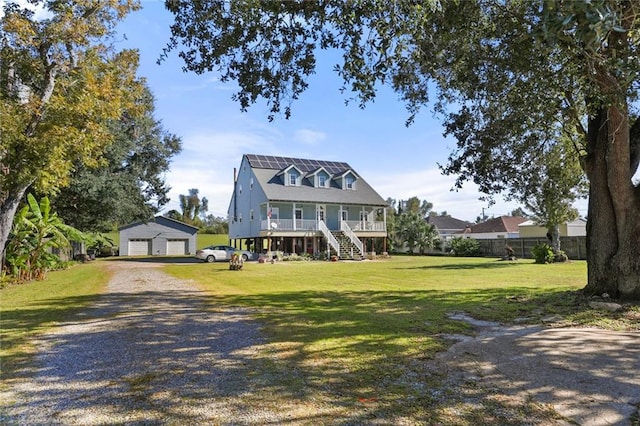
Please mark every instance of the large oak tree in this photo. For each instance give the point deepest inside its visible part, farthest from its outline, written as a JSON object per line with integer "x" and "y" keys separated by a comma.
{"x": 513, "y": 76}
{"x": 60, "y": 87}
{"x": 129, "y": 184}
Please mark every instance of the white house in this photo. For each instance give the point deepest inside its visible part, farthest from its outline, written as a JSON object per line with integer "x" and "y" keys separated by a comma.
{"x": 299, "y": 205}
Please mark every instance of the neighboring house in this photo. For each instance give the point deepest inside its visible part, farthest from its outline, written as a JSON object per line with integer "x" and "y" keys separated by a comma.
{"x": 499, "y": 227}
{"x": 299, "y": 206}
{"x": 576, "y": 228}
{"x": 159, "y": 236}
{"x": 448, "y": 226}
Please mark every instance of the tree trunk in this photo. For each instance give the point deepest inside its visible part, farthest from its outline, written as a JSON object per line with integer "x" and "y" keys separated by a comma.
{"x": 613, "y": 226}
{"x": 554, "y": 231}
{"x": 8, "y": 207}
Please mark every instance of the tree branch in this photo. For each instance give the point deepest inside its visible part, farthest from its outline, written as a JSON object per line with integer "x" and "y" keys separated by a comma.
{"x": 48, "y": 85}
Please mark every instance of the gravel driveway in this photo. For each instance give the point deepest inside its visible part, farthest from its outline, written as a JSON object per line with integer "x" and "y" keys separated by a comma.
{"x": 150, "y": 351}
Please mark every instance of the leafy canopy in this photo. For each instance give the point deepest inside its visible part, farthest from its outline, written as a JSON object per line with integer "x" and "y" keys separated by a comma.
{"x": 129, "y": 185}
{"x": 59, "y": 89}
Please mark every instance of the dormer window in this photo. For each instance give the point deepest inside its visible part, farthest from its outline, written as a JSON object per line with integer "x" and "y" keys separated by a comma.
{"x": 320, "y": 178}
{"x": 347, "y": 180}
{"x": 350, "y": 182}
{"x": 292, "y": 176}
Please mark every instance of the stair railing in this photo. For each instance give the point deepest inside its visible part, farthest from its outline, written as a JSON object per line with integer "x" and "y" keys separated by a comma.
{"x": 353, "y": 237}
{"x": 333, "y": 242}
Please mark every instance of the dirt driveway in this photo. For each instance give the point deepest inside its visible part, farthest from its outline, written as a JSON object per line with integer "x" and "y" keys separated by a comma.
{"x": 590, "y": 377}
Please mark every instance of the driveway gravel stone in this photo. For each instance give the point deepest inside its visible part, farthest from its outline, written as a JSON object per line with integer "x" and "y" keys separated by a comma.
{"x": 150, "y": 351}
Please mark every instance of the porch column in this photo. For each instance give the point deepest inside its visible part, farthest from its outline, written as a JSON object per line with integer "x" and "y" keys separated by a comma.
{"x": 384, "y": 218}
{"x": 293, "y": 215}
{"x": 268, "y": 216}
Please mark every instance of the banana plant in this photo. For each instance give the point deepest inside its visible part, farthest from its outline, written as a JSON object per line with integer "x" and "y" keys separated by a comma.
{"x": 37, "y": 230}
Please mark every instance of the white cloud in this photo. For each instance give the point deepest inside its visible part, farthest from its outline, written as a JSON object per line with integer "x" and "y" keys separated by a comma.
{"x": 40, "y": 12}
{"x": 431, "y": 185}
{"x": 207, "y": 162}
{"x": 308, "y": 137}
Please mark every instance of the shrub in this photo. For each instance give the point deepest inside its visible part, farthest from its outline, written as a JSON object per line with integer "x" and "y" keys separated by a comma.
{"x": 561, "y": 256}
{"x": 543, "y": 253}
{"x": 293, "y": 257}
{"x": 465, "y": 247}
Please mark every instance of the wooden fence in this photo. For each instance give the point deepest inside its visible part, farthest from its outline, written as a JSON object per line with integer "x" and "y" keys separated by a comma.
{"x": 574, "y": 247}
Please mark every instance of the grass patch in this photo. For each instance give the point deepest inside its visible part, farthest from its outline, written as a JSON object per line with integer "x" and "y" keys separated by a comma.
{"x": 362, "y": 331}
{"x": 204, "y": 240}
{"x": 31, "y": 308}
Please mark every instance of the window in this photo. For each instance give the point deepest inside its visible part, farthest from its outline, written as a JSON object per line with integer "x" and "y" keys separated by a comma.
{"x": 273, "y": 213}
{"x": 240, "y": 218}
{"x": 240, "y": 188}
{"x": 251, "y": 184}
{"x": 251, "y": 215}
{"x": 293, "y": 179}
{"x": 350, "y": 182}
{"x": 322, "y": 181}
{"x": 298, "y": 216}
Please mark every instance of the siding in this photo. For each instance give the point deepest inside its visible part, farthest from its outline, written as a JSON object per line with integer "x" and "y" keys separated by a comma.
{"x": 159, "y": 234}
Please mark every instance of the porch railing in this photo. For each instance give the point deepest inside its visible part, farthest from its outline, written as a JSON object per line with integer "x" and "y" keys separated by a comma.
{"x": 312, "y": 225}
{"x": 290, "y": 225}
{"x": 363, "y": 225}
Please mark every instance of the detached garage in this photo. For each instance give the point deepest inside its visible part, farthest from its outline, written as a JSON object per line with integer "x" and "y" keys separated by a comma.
{"x": 160, "y": 236}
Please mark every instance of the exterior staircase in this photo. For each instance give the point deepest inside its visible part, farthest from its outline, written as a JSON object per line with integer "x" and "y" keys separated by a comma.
{"x": 343, "y": 242}
{"x": 348, "y": 248}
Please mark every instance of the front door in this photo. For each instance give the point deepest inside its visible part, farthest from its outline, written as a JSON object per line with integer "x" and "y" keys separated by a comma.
{"x": 320, "y": 212}
{"x": 298, "y": 223}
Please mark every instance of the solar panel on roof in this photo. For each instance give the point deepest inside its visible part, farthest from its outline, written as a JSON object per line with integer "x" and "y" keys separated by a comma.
{"x": 303, "y": 164}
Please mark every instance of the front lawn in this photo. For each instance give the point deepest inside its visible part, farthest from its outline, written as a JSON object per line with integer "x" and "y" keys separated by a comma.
{"x": 364, "y": 331}
{"x": 34, "y": 307}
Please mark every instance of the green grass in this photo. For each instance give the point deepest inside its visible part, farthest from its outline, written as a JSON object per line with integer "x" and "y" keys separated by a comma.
{"x": 344, "y": 334}
{"x": 364, "y": 329}
{"x": 204, "y": 240}
{"x": 31, "y": 308}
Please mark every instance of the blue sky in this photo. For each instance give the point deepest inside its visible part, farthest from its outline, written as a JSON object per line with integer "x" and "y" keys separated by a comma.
{"x": 399, "y": 162}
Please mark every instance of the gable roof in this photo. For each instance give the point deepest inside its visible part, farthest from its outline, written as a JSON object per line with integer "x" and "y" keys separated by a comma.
{"x": 266, "y": 169}
{"x": 498, "y": 224}
{"x": 578, "y": 221}
{"x": 166, "y": 221}
{"x": 447, "y": 222}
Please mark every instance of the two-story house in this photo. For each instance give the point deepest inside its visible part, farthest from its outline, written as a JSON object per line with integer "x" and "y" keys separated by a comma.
{"x": 300, "y": 206}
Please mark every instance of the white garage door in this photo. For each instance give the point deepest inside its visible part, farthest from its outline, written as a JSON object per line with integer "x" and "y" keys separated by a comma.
{"x": 176, "y": 247}
{"x": 139, "y": 247}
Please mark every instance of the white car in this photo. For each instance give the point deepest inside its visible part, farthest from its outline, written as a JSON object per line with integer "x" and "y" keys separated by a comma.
{"x": 220, "y": 253}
